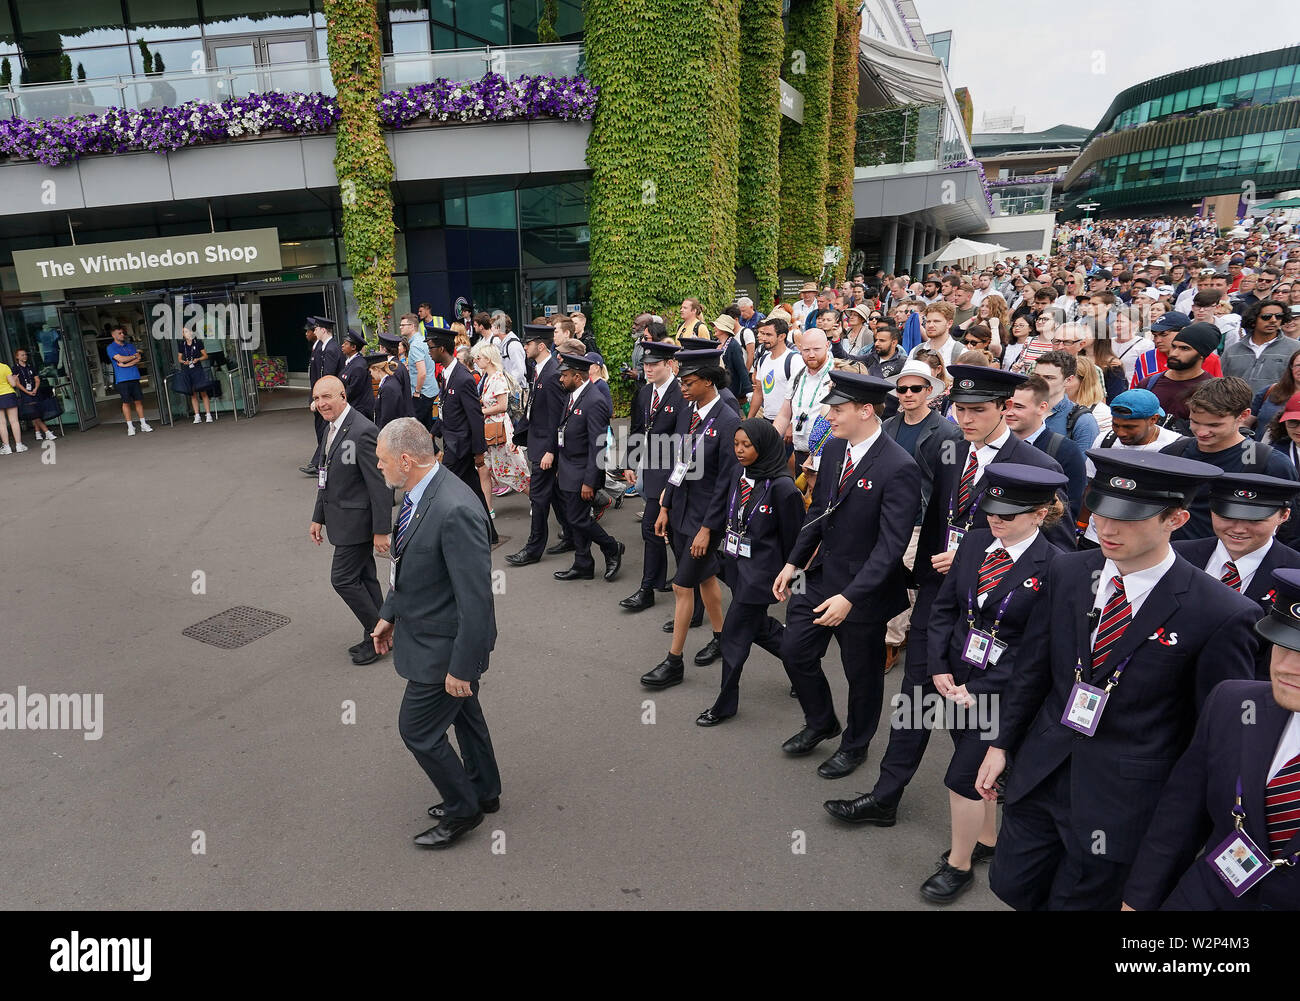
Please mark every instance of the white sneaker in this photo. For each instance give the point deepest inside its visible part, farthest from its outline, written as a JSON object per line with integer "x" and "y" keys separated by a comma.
{"x": 20, "y": 447}
{"x": 49, "y": 435}
{"x": 130, "y": 429}
{"x": 144, "y": 426}
{"x": 209, "y": 420}
{"x": 198, "y": 419}
{"x": 6, "y": 450}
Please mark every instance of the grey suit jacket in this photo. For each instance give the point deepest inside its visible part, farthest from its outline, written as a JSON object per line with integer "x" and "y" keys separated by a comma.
{"x": 355, "y": 504}
{"x": 441, "y": 601}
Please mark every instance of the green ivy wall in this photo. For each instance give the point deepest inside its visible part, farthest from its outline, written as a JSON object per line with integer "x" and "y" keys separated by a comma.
{"x": 758, "y": 221}
{"x": 843, "y": 111}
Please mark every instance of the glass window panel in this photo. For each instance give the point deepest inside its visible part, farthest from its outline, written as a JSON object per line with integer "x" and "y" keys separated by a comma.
{"x": 464, "y": 41}
{"x": 485, "y": 19}
{"x": 1251, "y": 142}
{"x": 229, "y": 17}
{"x": 87, "y": 22}
{"x": 1290, "y": 157}
{"x": 523, "y": 18}
{"x": 1245, "y": 85}
{"x": 1212, "y": 146}
{"x": 568, "y": 23}
{"x": 1264, "y": 79}
{"x": 112, "y": 61}
{"x": 1276, "y": 136}
{"x": 1194, "y": 147}
{"x": 1167, "y": 104}
{"x": 1211, "y": 92}
{"x": 179, "y": 56}
{"x": 1195, "y": 96}
{"x": 1180, "y": 101}
{"x": 443, "y": 38}
{"x": 1268, "y": 158}
{"x": 455, "y": 212}
{"x": 1231, "y": 143}
{"x": 424, "y": 215}
{"x": 411, "y": 37}
{"x": 444, "y": 11}
{"x": 494, "y": 211}
{"x": 151, "y": 19}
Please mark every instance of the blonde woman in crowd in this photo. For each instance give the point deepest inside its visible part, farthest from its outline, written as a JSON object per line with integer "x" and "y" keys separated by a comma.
{"x": 1086, "y": 390}
{"x": 505, "y": 467}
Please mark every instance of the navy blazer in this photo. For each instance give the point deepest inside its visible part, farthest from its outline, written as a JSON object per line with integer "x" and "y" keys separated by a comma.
{"x": 1198, "y": 553}
{"x": 358, "y": 386}
{"x": 546, "y": 402}
{"x": 948, "y": 627}
{"x": 701, "y": 500}
{"x": 1203, "y": 634}
{"x": 772, "y": 524}
{"x": 859, "y": 545}
{"x": 355, "y": 505}
{"x": 328, "y": 360}
{"x": 584, "y": 439}
{"x": 729, "y": 398}
{"x": 1069, "y": 456}
{"x": 461, "y": 415}
{"x": 934, "y": 526}
{"x": 651, "y": 435}
{"x": 392, "y": 402}
{"x": 1237, "y": 736}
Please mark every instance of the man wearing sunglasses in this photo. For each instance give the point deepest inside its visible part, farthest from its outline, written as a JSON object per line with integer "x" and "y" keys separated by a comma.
{"x": 1261, "y": 358}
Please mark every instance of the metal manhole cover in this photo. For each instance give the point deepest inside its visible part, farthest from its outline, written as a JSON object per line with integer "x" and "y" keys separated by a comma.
{"x": 235, "y": 627}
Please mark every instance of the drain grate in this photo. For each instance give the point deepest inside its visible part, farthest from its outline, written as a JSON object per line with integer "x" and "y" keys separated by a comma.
{"x": 235, "y": 627}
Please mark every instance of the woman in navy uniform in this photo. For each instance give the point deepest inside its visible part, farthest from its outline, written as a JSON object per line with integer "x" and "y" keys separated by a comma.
{"x": 394, "y": 346}
{"x": 1246, "y": 512}
{"x": 1235, "y": 792}
{"x": 694, "y": 508}
{"x": 1114, "y": 671}
{"x": 764, "y": 515}
{"x": 976, "y": 623}
{"x": 392, "y": 400}
{"x": 356, "y": 375}
{"x": 191, "y": 377}
{"x": 654, "y": 419}
{"x": 852, "y": 544}
{"x": 34, "y": 402}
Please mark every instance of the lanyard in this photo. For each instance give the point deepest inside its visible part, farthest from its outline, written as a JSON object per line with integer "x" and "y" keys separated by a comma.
{"x": 800, "y": 403}
{"x": 1239, "y": 820}
{"x": 1114, "y": 677}
{"x": 997, "y": 619}
{"x": 573, "y": 402}
{"x": 970, "y": 511}
{"x": 731, "y": 513}
{"x": 695, "y": 439}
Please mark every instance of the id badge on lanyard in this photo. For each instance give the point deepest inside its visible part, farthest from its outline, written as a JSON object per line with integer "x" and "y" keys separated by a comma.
{"x": 737, "y": 544}
{"x": 1238, "y": 861}
{"x": 983, "y": 647}
{"x": 559, "y": 438}
{"x": 322, "y": 475}
{"x": 1087, "y": 702}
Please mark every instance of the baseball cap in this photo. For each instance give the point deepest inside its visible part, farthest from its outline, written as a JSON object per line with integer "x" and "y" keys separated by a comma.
{"x": 1136, "y": 404}
{"x": 1173, "y": 320}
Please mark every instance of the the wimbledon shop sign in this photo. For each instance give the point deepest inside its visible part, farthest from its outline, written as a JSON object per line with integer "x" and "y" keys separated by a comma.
{"x": 134, "y": 262}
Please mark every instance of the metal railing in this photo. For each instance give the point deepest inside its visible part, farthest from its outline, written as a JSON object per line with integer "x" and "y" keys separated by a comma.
{"x": 88, "y": 97}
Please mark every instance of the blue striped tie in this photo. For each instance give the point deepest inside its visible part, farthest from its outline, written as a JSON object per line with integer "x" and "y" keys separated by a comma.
{"x": 403, "y": 519}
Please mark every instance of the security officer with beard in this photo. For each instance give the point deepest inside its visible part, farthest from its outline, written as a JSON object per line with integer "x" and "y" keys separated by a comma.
{"x": 654, "y": 418}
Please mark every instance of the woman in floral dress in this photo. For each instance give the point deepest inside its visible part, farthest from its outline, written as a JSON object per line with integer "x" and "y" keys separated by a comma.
{"x": 505, "y": 463}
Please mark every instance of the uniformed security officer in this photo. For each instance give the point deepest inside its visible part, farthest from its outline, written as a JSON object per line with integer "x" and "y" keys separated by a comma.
{"x": 356, "y": 375}
{"x": 1107, "y": 690}
{"x": 1235, "y": 790}
{"x": 1246, "y": 510}
{"x": 389, "y": 343}
{"x": 764, "y": 515}
{"x": 858, "y": 527}
{"x": 979, "y": 397}
{"x": 542, "y": 413}
{"x": 580, "y": 439}
{"x": 654, "y": 419}
{"x": 326, "y": 359}
{"x": 693, "y": 508}
{"x": 392, "y": 401}
{"x": 995, "y": 585}
{"x": 460, "y": 417}
{"x": 709, "y": 344}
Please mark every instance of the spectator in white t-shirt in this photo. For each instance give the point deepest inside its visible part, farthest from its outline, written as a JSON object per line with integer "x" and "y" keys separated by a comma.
{"x": 807, "y": 388}
{"x": 777, "y": 368}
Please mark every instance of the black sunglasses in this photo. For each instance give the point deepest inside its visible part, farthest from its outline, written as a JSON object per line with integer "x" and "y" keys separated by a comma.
{"x": 913, "y": 389}
{"x": 1270, "y": 316}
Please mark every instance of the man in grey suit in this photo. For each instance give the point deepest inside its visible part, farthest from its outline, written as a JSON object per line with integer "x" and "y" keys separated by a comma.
{"x": 353, "y": 505}
{"x": 439, "y": 622}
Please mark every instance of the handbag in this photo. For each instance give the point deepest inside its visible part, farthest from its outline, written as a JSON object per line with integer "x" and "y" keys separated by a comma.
{"x": 494, "y": 432}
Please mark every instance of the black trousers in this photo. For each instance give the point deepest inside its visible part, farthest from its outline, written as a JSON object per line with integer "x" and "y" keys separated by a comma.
{"x": 467, "y": 473}
{"x": 907, "y": 743}
{"x": 654, "y": 569}
{"x": 862, "y": 650}
{"x": 424, "y": 411}
{"x": 586, "y": 530}
{"x": 1040, "y": 865}
{"x": 427, "y": 712}
{"x": 745, "y": 625}
{"x": 543, "y": 498}
{"x": 352, "y": 575}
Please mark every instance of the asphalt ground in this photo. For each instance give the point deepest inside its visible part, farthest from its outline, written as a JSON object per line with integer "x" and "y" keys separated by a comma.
{"x": 245, "y": 753}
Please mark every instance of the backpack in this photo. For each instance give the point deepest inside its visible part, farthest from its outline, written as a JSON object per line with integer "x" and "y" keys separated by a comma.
{"x": 1180, "y": 424}
{"x": 511, "y": 338}
{"x": 1054, "y": 443}
{"x": 516, "y": 401}
{"x": 1072, "y": 418}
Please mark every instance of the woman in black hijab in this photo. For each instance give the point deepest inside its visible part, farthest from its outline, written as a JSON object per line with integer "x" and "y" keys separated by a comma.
{"x": 764, "y": 514}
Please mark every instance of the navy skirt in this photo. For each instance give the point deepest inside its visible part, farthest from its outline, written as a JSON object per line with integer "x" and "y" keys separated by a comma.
{"x": 192, "y": 380}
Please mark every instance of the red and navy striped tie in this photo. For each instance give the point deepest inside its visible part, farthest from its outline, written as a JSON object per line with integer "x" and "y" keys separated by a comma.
{"x": 745, "y": 491}
{"x": 967, "y": 483}
{"x": 1115, "y": 618}
{"x": 994, "y": 568}
{"x": 848, "y": 470}
{"x": 1230, "y": 576}
{"x": 1282, "y": 806}
{"x": 695, "y": 422}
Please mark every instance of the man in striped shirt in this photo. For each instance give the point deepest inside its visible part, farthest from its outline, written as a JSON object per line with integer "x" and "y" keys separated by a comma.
{"x": 1157, "y": 359}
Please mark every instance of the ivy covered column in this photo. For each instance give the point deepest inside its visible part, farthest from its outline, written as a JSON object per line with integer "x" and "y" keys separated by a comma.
{"x": 762, "y": 45}
{"x": 843, "y": 113}
{"x": 809, "y": 45}
{"x": 361, "y": 159}
{"x": 663, "y": 153}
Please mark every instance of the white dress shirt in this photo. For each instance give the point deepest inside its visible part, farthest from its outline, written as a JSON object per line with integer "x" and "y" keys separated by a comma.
{"x": 1136, "y": 587}
{"x": 1246, "y": 565}
{"x": 1015, "y": 551}
{"x": 335, "y": 424}
{"x": 985, "y": 454}
{"x": 1288, "y": 747}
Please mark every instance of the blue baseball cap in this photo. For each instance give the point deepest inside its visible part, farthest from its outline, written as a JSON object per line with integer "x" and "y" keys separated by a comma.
{"x": 1173, "y": 320}
{"x": 1136, "y": 405}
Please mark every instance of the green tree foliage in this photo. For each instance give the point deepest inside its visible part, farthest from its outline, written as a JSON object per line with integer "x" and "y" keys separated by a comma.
{"x": 809, "y": 45}
{"x": 758, "y": 221}
{"x": 663, "y": 154}
{"x": 361, "y": 160}
{"x": 843, "y": 110}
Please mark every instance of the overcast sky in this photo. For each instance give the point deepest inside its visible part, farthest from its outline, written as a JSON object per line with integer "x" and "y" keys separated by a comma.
{"x": 1064, "y": 63}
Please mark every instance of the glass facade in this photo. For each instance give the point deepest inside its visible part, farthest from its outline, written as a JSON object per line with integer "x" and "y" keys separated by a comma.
{"x": 1264, "y": 87}
{"x": 1249, "y": 155}
{"x": 99, "y": 39}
